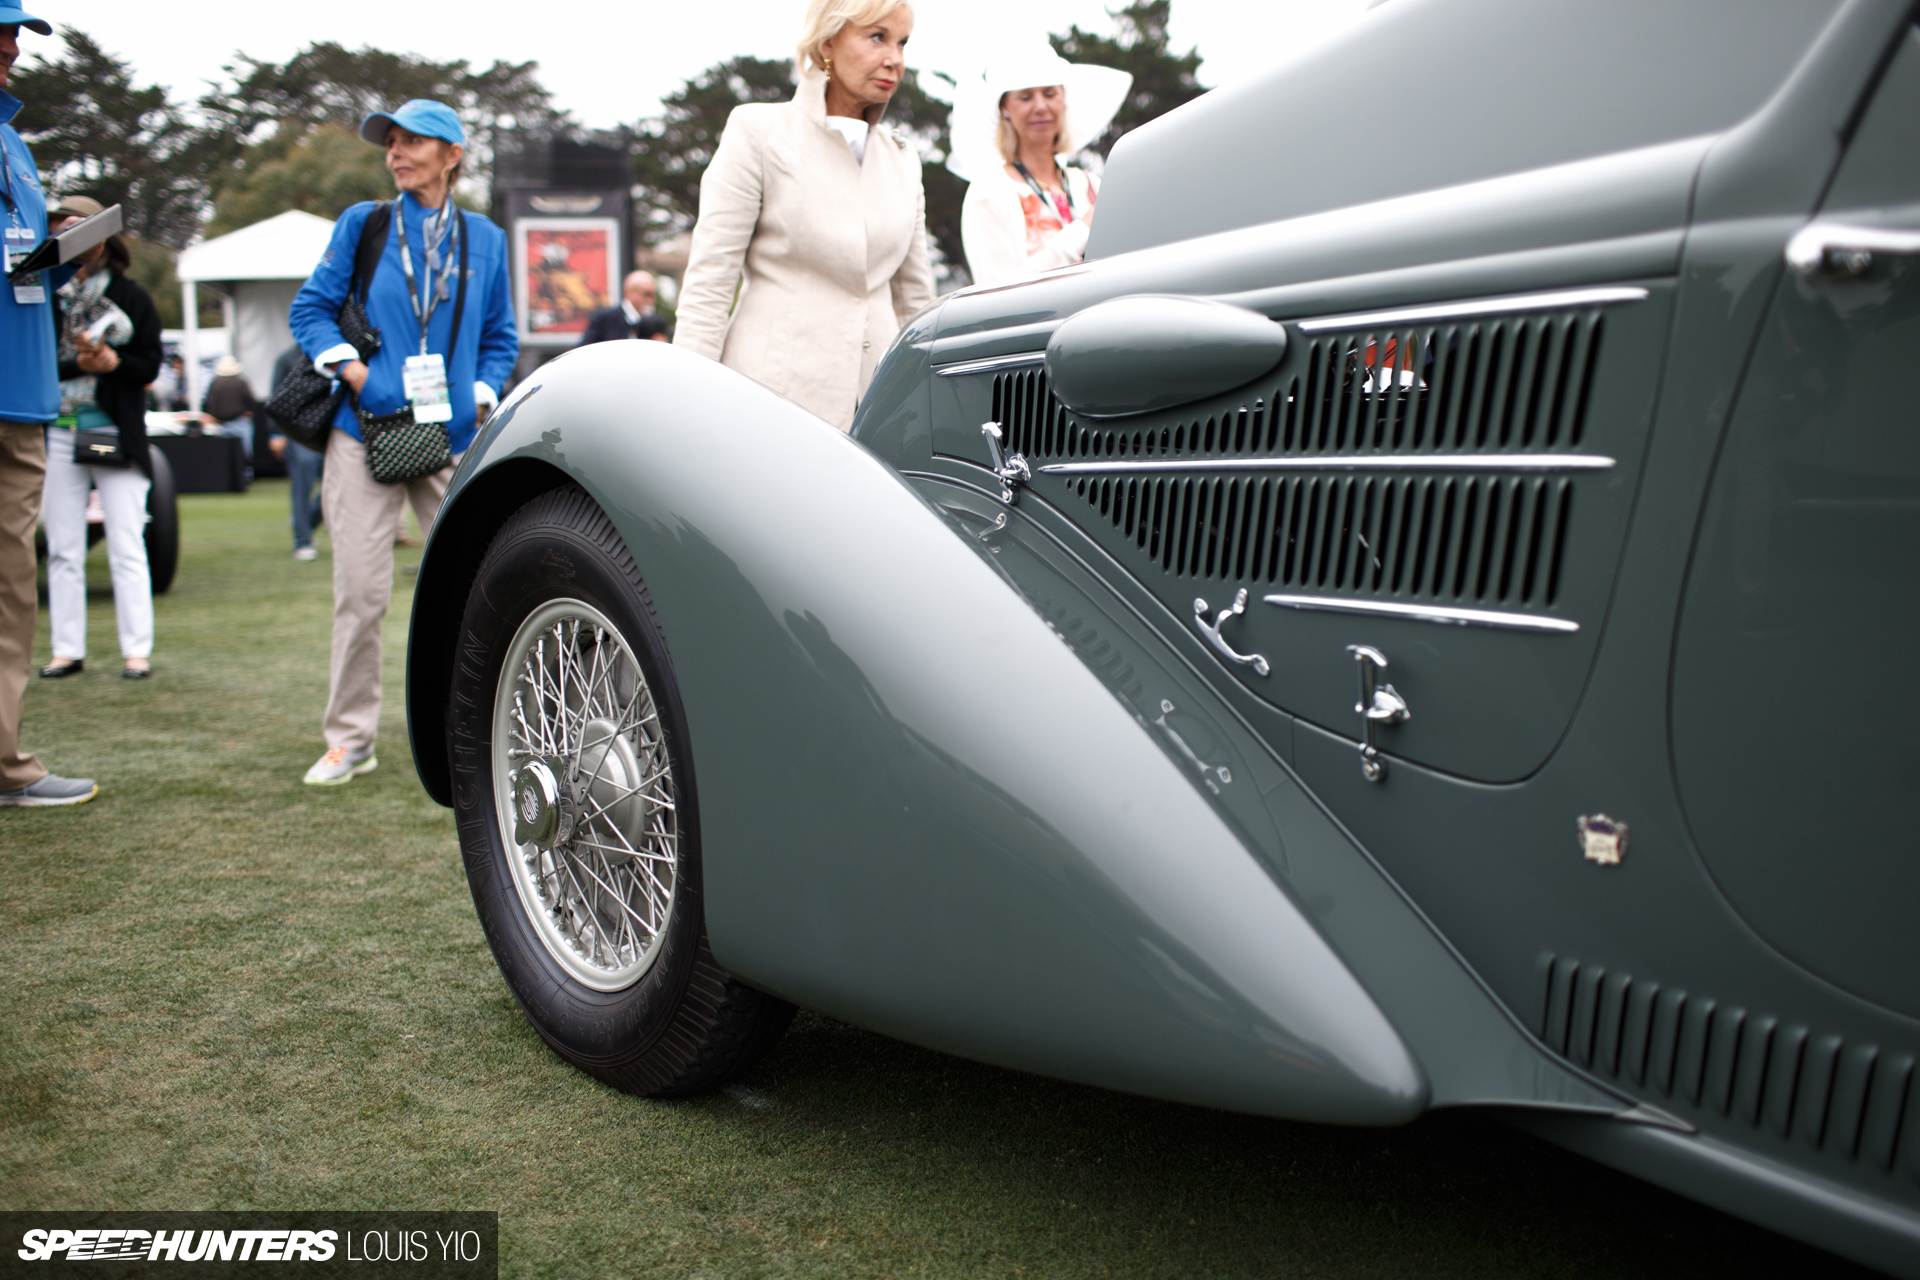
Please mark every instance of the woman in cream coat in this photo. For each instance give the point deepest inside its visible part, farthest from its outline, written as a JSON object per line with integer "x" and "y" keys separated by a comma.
{"x": 822, "y": 210}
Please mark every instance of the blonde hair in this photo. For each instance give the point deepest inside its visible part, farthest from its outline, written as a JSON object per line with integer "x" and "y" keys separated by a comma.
{"x": 1009, "y": 141}
{"x": 826, "y": 19}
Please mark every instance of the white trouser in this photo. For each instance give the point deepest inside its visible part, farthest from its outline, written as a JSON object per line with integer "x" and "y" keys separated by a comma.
{"x": 123, "y": 495}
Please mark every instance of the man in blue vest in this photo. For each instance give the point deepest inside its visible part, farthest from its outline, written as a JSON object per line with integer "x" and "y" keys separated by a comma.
{"x": 29, "y": 399}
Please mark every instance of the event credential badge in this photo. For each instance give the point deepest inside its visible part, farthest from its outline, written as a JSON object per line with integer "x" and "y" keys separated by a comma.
{"x": 426, "y": 384}
{"x": 28, "y": 291}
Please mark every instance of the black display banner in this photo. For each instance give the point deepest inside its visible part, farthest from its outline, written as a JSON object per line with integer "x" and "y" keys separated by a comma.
{"x": 312, "y": 1244}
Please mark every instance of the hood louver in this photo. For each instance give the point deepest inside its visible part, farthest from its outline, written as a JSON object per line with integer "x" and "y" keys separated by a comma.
{"x": 1425, "y": 463}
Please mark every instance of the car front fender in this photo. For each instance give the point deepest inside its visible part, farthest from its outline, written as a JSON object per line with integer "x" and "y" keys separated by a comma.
{"x": 919, "y": 810}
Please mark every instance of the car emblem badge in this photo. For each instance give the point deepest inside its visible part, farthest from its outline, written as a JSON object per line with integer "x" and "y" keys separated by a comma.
{"x": 1602, "y": 839}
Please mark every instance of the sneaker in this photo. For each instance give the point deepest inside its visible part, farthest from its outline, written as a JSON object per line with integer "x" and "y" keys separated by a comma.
{"x": 52, "y": 790}
{"x": 305, "y": 553}
{"x": 340, "y": 765}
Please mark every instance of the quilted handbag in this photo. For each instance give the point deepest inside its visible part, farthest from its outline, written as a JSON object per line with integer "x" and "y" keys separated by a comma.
{"x": 303, "y": 406}
{"x": 400, "y": 449}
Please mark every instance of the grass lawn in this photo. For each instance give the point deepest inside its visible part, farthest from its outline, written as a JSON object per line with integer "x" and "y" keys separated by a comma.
{"x": 225, "y": 990}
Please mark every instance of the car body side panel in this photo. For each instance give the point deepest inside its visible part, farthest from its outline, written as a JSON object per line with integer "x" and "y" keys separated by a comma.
{"x": 1807, "y": 549}
{"x": 920, "y": 811}
{"x": 1472, "y": 1051}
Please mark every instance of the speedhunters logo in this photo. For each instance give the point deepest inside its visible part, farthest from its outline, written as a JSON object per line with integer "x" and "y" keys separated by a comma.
{"x": 369, "y": 1245}
{"x": 97, "y": 1244}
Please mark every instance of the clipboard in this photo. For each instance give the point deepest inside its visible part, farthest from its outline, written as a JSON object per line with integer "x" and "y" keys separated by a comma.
{"x": 69, "y": 244}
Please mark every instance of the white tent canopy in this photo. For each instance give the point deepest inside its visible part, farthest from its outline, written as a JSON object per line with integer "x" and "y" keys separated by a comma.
{"x": 256, "y": 270}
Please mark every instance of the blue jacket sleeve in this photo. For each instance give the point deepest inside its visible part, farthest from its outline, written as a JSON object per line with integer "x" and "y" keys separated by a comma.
{"x": 315, "y": 314}
{"x": 499, "y": 338}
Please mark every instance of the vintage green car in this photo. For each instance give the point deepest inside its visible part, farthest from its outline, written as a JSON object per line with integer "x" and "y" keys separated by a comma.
{"x": 1413, "y": 621}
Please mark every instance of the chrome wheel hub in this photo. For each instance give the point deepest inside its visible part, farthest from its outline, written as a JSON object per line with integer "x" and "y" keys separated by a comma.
{"x": 542, "y": 816}
{"x": 585, "y": 794}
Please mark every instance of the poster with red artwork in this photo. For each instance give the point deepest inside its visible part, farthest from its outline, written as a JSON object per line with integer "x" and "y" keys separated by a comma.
{"x": 565, "y": 272}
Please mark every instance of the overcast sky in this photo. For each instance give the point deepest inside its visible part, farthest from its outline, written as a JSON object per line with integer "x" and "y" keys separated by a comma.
{"x": 610, "y": 63}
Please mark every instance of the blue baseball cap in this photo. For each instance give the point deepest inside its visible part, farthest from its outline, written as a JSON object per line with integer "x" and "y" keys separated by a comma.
{"x": 423, "y": 116}
{"x": 12, "y": 15}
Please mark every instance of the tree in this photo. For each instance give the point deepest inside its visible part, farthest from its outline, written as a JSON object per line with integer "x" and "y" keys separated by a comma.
{"x": 923, "y": 119}
{"x": 672, "y": 151}
{"x": 269, "y": 108}
{"x": 153, "y": 267}
{"x": 94, "y": 132}
{"x": 1162, "y": 80}
{"x": 325, "y": 171}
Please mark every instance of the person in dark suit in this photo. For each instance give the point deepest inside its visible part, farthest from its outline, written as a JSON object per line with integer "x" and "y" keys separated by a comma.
{"x": 633, "y": 318}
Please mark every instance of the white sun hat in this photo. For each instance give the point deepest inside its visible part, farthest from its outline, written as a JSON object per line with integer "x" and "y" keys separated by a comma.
{"x": 1094, "y": 96}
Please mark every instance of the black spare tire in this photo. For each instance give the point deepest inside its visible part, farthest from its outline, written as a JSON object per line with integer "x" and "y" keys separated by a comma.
{"x": 163, "y": 525}
{"x": 579, "y": 822}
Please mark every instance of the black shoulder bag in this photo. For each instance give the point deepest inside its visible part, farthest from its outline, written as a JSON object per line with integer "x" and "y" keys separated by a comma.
{"x": 305, "y": 404}
{"x": 398, "y": 448}
{"x": 96, "y": 441}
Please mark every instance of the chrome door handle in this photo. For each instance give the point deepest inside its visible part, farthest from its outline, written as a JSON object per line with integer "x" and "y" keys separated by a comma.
{"x": 1211, "y": 630}
{"x": 1842, "y": 249}
{"x": 1379, "y": 703}
{"x": 1011, "y": 468}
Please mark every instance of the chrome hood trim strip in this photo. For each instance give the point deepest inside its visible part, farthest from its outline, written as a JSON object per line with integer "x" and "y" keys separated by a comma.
{"x": 1019, "y": 360}
{"x": 1400, "y": 462}
{"x": 1514, "y": 305}
{"x": 1428, "y": 613}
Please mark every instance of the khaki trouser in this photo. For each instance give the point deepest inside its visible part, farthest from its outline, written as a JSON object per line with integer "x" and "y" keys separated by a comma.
{"x": 23, "y": 470}
{"x": 363, "y": 517}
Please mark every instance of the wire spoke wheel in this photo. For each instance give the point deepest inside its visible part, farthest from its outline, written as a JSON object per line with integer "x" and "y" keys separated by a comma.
{"x": 578, "y": 808}
{"x": 586, "y": 795}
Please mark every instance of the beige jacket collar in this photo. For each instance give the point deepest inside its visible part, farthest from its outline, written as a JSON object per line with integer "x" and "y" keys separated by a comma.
{"x": 810, "y": 99}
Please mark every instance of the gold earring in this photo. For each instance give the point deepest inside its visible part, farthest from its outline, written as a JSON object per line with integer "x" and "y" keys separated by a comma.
{"x": 829, "y": 61}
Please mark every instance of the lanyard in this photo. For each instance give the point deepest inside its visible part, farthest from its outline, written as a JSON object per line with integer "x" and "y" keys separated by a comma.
{"x": 1065, "y": 204}
{"x": 423, "y": 308}
{"x": 6, "y": 169}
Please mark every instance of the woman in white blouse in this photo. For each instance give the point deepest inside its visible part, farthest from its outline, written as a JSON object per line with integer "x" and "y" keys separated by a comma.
{"x": 1027, "y": 210}
{"x": 820, "y": 209}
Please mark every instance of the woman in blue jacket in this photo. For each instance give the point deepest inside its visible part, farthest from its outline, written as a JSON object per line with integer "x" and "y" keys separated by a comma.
{"x": 421, "y": 369}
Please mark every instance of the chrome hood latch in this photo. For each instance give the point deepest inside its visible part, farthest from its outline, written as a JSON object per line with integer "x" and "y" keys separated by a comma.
{"x": 1380, "y": 703}
{"x": 1011, "y": 468}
